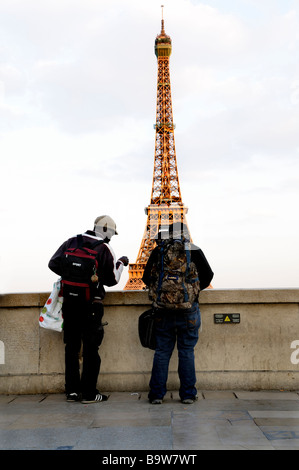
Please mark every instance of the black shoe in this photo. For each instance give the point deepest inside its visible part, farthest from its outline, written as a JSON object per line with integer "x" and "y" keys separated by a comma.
{"x": 72, "y": 397}
{"x": 96, "y": 399}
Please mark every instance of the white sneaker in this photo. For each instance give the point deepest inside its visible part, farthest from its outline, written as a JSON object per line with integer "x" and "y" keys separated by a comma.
{"x": 189, "y": 401}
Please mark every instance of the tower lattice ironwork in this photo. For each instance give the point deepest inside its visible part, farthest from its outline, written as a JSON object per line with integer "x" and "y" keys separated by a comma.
{"x": 166, "y": 204}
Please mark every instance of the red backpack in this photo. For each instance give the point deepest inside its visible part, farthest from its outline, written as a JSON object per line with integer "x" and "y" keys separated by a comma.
{"x": 79, "y": 268}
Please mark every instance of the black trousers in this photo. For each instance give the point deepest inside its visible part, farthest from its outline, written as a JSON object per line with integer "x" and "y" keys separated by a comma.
{"x": 82, "y": 326}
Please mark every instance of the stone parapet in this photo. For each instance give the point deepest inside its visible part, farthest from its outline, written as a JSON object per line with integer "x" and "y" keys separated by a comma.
{"x": 257, "y": 353}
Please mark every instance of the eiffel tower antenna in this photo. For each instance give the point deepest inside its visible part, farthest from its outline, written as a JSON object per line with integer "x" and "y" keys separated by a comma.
{"x": 166, "y": 204}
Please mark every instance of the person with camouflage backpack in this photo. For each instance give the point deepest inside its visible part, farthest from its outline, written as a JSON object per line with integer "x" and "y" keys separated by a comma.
{"x": 176, "y": 272}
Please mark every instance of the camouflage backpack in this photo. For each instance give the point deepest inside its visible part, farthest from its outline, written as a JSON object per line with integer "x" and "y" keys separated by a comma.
{"x": 175, "y": 282}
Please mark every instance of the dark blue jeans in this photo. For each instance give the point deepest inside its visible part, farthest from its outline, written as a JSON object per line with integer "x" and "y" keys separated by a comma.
{"x": 182, "y": 327}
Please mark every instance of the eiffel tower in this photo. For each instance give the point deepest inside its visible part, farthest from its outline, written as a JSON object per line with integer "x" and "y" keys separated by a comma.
{"x": 166, "y": 204}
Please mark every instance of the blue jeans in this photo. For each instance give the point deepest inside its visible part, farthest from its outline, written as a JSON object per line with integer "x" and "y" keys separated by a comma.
{"x": 172, "y": 326}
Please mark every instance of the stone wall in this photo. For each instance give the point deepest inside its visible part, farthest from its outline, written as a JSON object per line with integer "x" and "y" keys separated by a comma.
{"x": 260, "y": 352}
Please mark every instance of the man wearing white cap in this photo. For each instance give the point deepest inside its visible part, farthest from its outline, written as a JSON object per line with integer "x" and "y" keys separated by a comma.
{"x": 82, "y": 306}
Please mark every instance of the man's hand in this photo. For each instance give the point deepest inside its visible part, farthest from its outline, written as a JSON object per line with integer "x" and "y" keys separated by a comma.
{"x": 124, "y": 260}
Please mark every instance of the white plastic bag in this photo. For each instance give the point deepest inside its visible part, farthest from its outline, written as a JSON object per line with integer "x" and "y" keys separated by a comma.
{"x": 51, "y": 315}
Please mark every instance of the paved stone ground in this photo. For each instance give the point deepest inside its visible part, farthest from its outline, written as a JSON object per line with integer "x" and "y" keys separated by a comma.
{"x": 220, "y": 420}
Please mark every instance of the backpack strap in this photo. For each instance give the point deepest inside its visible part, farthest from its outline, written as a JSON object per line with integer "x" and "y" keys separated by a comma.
{"x": 79, "y": 241}
{"x": 92, "y": 246}
{"x": 188, "y": 256}
{"x": 98, "y": 242}
{"x": 161, "y": 270}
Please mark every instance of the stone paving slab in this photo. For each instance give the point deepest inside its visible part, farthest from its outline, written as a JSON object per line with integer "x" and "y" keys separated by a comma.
{"x": 278, "y": 413}
{"x": 293, "y": 422}
{"x": 218, "y": 395}
{"x": 280, "y": 427}
{"x": 219, "y": 420}
{"x": 267, "y": 395}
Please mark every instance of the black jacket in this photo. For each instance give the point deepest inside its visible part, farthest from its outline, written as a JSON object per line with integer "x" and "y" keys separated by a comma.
{"x": 109, "y": 269}
{"x": 205, "y": 272}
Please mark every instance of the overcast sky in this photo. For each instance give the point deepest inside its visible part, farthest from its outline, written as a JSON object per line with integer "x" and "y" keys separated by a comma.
{"x": 77, "y": 108}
